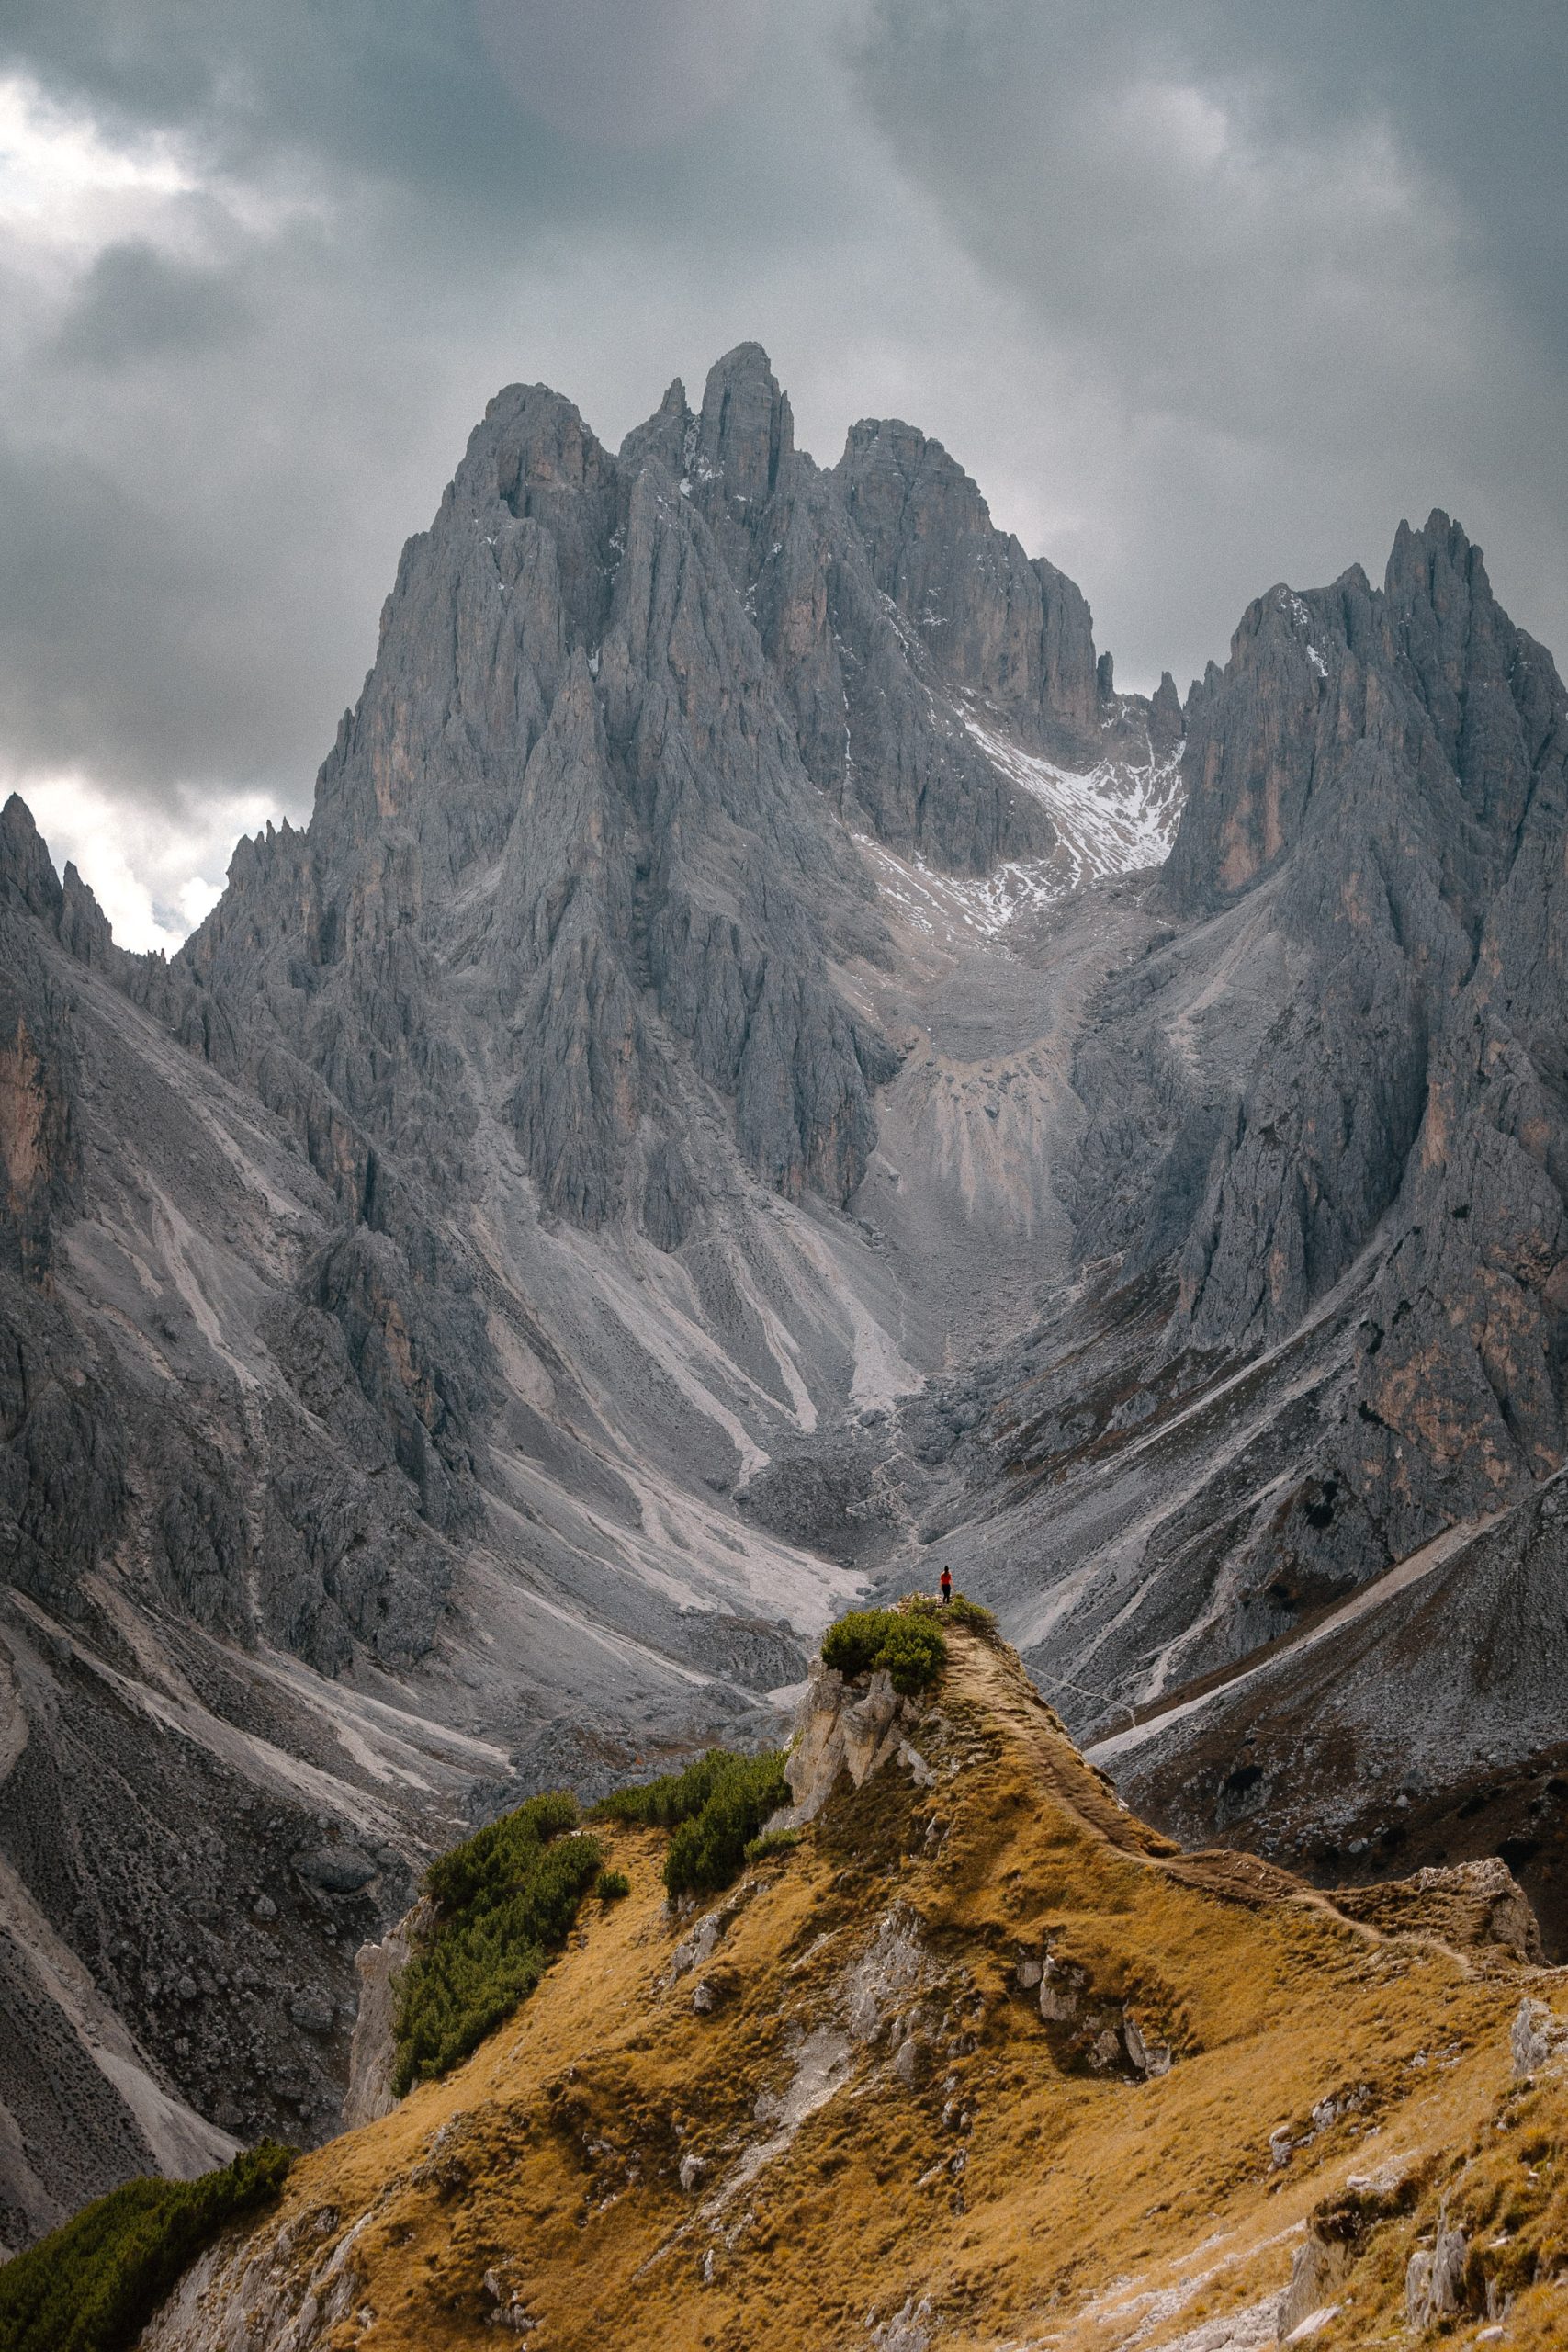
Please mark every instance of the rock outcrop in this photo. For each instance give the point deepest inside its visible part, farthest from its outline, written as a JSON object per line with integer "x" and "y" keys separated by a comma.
{"x": 843, "y": 1728}
{"x": 372, "y": 2058}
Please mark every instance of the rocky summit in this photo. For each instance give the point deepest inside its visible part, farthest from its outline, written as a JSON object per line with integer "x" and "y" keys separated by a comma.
{"x": 766, "y": 1073}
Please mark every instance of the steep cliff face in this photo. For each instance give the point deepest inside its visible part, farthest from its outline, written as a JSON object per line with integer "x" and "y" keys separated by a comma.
{"x": 529, "y": 873}
{"x": 1396, "y": 763}
{"x": 997, "y": 624}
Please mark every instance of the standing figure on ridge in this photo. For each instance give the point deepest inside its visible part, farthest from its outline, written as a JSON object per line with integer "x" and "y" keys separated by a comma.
{"x": 946, "y": 1583}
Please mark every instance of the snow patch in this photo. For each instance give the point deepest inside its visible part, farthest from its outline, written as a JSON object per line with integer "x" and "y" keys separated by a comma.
{"x": 1118, "y": 817}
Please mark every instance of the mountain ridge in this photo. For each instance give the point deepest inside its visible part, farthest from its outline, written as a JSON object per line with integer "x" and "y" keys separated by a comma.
{"x": 717, "y": 1100}
{"x": 1060, "y": 2078}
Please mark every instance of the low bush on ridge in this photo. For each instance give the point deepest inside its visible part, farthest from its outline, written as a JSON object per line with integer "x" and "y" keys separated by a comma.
{"x": 959, "y": 1611}
{"x": 909, "y": 1648}
{"x": 93, "y": 2284}
{"x": 505, "y": 1900}
{"x": 773, "y": 1841}
{"x": 714, "y": 1808}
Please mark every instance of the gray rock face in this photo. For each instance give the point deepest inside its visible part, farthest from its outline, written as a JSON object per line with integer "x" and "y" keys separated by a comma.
{"x": 567, "y": 833}
{"x": 1408, "y": 772}
{"x": 373, "y": 2054}
{"x": 1326, "y": 1121}
{"x": 1016, "y": 631}
{"x": 1536, "y": 2039}
{"x": 1434, "y": 2277}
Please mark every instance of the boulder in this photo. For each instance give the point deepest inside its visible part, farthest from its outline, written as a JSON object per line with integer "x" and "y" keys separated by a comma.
{"x": 1434, "y": 2275}
{"x": 1536, "y": 2039}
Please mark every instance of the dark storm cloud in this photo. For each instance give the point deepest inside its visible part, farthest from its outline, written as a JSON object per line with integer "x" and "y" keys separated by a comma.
{"x": 134, "y": 302}
{"x": 218, "y": 432}
{"x": 1203, "y": 296}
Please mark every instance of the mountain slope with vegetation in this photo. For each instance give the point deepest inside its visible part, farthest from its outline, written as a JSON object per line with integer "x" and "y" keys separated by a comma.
{"x": 980, "y": 2060}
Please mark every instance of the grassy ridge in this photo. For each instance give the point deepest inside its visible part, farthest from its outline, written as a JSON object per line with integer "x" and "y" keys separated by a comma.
{"x": 93, "y": 2284}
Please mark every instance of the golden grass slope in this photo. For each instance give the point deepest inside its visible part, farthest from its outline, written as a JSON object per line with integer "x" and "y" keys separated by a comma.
{"x": 849, "y": 2125}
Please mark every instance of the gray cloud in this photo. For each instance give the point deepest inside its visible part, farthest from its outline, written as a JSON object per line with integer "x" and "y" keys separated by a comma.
{"x": 135, "y": 301}
{"x": 1203, "y": 298}
{"x": 1311, "y": 262}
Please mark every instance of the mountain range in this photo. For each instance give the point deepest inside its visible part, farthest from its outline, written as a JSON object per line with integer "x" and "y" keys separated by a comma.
{"x": 764, "y": 1073}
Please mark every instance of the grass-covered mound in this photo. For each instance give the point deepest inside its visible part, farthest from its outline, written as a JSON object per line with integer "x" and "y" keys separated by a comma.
{"x": 714, "y": 1808}
{"x": 908, "y": 1646}
{"x": 959, "y": 1611}
{"x": 93, "y": 2284}
{"x": 504, "y": 1900}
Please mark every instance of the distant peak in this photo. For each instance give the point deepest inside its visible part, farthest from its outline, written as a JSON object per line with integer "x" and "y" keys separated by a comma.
{"x": 746, "y": 359}
{"x": 1422, "y": 561}
{"x": 746, "y": 432}
{"x": 664, "y": 434}
{"x": 886, "y": 464}
{"x": 25, "y": 865}
{"x": 882, "y": 440}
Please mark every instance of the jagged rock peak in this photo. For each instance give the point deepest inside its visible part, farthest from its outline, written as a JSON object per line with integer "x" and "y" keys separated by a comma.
{"x": 1273, "y": 731}
{"x": 746, "y": 431}
{"x": 997, "y": 623}
{"x": 1166, "y": 725}
{"x": 26, "y": 869}
{"x": 663, "y": 436}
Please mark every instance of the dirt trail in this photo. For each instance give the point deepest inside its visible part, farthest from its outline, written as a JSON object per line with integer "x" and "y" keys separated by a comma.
{"x": 994, "y": 1681}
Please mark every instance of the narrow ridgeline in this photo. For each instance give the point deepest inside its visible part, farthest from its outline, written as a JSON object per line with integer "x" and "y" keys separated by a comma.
{"x": 963, "y": 2056}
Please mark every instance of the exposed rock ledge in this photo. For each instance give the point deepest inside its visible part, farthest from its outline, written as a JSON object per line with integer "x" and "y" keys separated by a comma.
{"x": 373, "y": 2054}
{"x": 846, "y": 1727}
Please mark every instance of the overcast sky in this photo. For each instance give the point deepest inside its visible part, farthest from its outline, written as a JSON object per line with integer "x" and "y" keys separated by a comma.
{"x": 1205, "y": 293}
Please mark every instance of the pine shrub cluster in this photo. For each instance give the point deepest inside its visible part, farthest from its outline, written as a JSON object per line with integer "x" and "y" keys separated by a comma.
{"x": 908, "y": 1647}
{"x": 93, "y": 2284}
{"x": 714, "y": 1808}
{"x": 505, "y": 1900}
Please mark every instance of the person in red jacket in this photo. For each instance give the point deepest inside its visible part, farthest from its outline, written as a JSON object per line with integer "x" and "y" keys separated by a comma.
{"x": 946, "y": 1587}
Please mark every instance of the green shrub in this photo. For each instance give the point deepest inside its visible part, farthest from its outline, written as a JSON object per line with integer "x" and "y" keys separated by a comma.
{"x": 972, "y": 1614}
{"x": 714, "y": 1808}
{"x": 675, "y": 1797}
{"x": 959, "y": 1611}
{"x": 909, "y": 1647}
{"x": 484, "y": 1865}
{"x": 612, "y": 1885}
{"x": 505, "y": 1900}
{"x": 773, "y": 1841}
{"x": 708, "y": 1847}
{"x": 93, "y": 2284}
